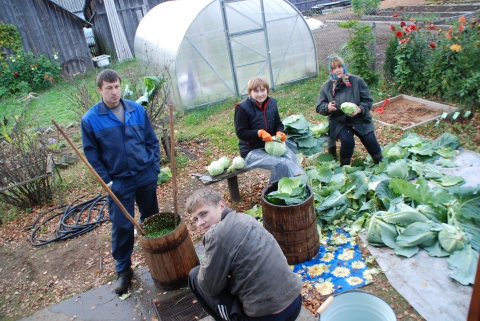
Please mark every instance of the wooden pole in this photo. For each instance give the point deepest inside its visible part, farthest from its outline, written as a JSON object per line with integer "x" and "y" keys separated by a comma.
{"x": 105, "y": 187}
{"x": 174, "y": 169}
{"x": 474, "y": 310}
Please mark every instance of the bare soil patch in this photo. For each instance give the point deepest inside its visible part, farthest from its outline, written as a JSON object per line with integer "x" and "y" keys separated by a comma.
{"x": 404, "y": 112}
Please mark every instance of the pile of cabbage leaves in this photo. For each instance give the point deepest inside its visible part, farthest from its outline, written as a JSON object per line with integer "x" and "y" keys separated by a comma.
{"x": 404, "y": 202}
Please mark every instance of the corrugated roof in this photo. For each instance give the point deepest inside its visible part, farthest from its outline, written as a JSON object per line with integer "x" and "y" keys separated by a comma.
{"x": 74, "y": 6}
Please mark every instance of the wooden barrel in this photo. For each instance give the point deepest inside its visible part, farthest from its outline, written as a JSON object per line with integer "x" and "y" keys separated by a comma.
{"x": 293, "y": 226}
{"x": 170, "y": 257}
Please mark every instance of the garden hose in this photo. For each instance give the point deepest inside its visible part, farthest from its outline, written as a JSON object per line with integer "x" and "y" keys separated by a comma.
{"x": 77, "y": 218}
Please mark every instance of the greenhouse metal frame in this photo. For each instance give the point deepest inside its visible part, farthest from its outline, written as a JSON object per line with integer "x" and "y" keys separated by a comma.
{"x": 213, "y": 47}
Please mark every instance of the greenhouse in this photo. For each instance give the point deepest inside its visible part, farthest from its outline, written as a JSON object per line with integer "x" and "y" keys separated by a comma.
{"x": 213, "y": 47}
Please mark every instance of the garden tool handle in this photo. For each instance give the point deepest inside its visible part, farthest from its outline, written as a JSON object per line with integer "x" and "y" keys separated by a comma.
{"x": 324, "y": 305}
{"x": 380, "y": 110}
{"x": 109, "y": 191}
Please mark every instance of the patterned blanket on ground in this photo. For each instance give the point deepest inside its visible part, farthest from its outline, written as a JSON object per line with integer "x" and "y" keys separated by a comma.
{"x": 338, "y": 267}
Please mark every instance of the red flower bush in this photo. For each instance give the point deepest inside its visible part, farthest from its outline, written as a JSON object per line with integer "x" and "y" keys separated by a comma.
{"x": 432, "y": 45}
{"x": 392, "y": 27}
{"x": 431, "y": 27}
{"x": 399, "y": 34}
{"x": 402, "y": 24}
{"x": 16, "y": 74}
{"x": 404, "y": 41}
{"x": 394, "y": 15}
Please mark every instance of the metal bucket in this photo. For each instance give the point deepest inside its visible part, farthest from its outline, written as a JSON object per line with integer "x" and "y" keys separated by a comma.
{"x": 358, "y": 306}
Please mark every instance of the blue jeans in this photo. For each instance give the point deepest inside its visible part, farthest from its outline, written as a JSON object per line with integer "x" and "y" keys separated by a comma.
{"x": 122, "y": 229}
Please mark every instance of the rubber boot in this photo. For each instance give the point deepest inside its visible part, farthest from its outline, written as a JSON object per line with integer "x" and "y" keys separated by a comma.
{"x": 333, "y": 151}
{"x": 377, "y": 158}
{"x": 345, "y": 161}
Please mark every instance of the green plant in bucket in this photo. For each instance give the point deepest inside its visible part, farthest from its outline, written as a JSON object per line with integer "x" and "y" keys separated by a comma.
{"x": 160, "y": 225}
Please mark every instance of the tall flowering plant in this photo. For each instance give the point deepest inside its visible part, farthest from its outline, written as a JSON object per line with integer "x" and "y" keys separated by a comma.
{"x": 454, "y": 71}
{"x": 412, "y": 53}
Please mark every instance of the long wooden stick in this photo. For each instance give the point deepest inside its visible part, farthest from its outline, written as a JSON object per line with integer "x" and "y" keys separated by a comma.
{"x": 174, "y": 168}
{"x": 105, "y": 187}
{"x": 474, "y": 310}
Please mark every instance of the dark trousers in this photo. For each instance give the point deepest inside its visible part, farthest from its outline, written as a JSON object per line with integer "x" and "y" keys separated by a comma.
{"x": 226, "y": 306}
{"x": 348, "y": 142}
{"x": 122, "y": 229}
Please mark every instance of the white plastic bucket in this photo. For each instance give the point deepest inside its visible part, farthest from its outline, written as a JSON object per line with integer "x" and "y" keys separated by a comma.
{"x": 357, "y": 306}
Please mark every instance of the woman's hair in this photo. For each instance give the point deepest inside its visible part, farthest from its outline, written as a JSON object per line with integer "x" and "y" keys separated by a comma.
{"x": 203, "y": 196}
{"x": 258, "y": 82}
{"x": 108, "y": 75}
{"x": 336, "y": 62}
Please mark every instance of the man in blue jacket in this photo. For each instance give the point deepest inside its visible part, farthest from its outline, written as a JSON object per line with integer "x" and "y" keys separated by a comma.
{"x": 120, "y": 144}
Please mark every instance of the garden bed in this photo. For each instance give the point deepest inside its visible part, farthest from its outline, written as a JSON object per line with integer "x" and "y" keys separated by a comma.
{"x": 406, "y": 112}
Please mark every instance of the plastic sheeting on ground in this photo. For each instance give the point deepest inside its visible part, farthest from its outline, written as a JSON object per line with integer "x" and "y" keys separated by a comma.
{"x": 423, "y": 280}
{"x": 337, "y": 267}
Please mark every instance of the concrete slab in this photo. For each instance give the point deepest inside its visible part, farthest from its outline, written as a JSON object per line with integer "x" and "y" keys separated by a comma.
{"x": 102, "y": 304}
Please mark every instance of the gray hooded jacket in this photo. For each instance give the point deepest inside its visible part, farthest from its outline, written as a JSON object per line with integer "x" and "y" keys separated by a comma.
{"x": 240, "y": 247}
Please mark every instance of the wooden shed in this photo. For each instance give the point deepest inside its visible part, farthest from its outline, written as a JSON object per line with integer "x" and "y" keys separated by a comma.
{"x": 115, "y": 24}
{"x": 48, "y": 28}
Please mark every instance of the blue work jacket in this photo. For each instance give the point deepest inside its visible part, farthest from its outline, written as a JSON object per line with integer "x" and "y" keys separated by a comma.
{"x": 120, "y": 151}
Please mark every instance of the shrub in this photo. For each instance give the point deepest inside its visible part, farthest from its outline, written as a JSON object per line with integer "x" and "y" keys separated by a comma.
{"x": 412, "y": 56}
{"x": 361, "y": 7}
{"x": 23, "y": 165}
{"x": 390, "y": 60}
{"x": 362, "y": 61}
{"x": 22, "y": 72}
{"x": 453, "y": 70}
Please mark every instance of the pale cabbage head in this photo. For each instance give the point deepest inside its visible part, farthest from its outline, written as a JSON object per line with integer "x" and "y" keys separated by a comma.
{"x": 348, "y": 108}
{"x": 237, "y": 163}
{"x": 215, "y": 168}
{"x": 225, "y": 161}
{"x": 275, "y": 148}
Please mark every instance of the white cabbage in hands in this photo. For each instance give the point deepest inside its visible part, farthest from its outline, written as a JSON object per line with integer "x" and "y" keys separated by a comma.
{"x": 348, "y": 108}
{"x": 215, "y": 168}
{"x": 237, "y": 163}
{"x": 276, "y": 147}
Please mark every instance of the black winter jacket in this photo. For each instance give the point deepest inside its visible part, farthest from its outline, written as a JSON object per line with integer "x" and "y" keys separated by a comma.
{"x": 250, "y": 117}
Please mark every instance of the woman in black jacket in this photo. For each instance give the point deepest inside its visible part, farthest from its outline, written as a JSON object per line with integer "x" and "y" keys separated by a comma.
{"x": 343, "y": 87}
{"x": 256, "y": 121}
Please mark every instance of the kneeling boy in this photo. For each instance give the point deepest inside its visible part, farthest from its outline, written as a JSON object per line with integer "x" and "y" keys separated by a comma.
{"x": 244, "y": 274}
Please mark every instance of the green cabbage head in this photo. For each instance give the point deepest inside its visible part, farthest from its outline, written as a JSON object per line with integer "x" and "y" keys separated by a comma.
{"x": 276, "y": 147}
{"x": 237, "y": 163}
{"x": 215, "y": 168}
{"x": 348, "y": 108}
{"x": 225, "y": 161}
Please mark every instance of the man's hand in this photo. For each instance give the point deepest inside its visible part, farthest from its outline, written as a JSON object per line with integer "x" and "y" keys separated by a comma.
{"x": 109, "y": 185}
{"x": 266, "y": 137}
{"x": 282, "y": 135}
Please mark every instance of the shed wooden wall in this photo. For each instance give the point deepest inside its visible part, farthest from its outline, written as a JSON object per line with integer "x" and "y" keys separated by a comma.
{"x": 46, "y": 29}
{"x": 129, "y": 12}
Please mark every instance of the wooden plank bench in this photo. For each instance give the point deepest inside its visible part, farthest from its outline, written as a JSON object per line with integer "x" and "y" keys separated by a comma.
{"x": 231, "y": 178}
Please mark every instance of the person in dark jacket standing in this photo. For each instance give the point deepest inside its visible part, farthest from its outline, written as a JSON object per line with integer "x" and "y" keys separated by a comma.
{"x": 244, "y": 274}
{"x": 256, "y": 121}
{"x": 120, "y": 144}
{"x": 343, "y": 87}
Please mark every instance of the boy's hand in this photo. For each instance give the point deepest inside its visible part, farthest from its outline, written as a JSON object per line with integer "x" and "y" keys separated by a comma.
{"x": 282, "y": 135}
{"x": 266, "y": 137}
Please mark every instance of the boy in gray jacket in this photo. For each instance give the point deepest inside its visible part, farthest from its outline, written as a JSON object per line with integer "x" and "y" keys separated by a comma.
{"x": 244, "y": 274}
